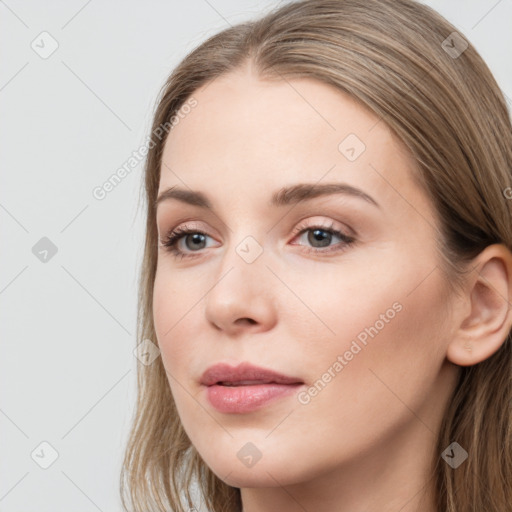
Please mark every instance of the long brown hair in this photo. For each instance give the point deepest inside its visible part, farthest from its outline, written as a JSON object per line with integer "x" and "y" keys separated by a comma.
{"x": 401, "y": 60}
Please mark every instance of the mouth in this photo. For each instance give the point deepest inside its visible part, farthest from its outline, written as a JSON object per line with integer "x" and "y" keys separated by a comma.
{"x": 245, "y": 388}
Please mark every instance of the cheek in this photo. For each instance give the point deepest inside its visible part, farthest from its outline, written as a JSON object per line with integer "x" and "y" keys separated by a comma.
{"x": 388, "y": 349}
{"x": 173, "y": 309}
{"x": 330, "y": 308}
{"x": 384, "y": 321}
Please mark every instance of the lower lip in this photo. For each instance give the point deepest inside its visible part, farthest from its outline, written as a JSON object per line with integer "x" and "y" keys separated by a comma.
{"x": 240, "y": 399}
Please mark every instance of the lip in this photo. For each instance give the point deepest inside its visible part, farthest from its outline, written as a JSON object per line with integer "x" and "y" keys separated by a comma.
{"x": 252, "y": 386}
{"x": 223, "y": 372}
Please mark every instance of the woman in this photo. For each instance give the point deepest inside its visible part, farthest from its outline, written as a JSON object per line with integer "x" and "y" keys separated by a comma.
{"x": 340, "y": 337}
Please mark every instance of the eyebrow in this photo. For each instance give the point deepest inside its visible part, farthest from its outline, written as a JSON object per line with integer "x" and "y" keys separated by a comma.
{"x": 282, "y": 197}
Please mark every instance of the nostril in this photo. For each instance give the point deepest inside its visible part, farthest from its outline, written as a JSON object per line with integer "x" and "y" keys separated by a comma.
{"x": 248, "y": 320}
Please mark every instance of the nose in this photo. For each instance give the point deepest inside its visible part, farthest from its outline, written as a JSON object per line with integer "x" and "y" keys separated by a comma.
{"x": 241, "y": 297}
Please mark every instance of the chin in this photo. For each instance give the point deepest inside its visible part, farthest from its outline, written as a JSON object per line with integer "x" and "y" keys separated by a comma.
{"x": 253, "y": 477}
{"x": 272, "y": 472}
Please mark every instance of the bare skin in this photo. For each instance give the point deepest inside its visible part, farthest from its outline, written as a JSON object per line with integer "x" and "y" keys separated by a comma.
{"x": 365, "y": 440}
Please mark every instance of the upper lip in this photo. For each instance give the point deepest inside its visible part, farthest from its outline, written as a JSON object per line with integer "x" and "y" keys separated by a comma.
{"x": 223, "y": 372}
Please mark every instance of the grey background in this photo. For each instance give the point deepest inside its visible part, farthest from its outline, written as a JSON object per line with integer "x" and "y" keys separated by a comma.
{"x": 68, "y": 122}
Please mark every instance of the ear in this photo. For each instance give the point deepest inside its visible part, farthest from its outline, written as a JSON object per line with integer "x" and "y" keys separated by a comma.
{"x": 484, "y": 329}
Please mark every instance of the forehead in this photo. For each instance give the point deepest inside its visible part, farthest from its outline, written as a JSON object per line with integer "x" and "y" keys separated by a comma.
{"x": 248, "y": 136}
{"x": 293, "y": 117}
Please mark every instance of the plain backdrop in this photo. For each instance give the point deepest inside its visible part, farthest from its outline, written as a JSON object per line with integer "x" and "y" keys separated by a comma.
{"x": 69, "y": 261}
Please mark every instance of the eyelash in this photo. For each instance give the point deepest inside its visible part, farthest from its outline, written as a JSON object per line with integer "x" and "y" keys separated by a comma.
{"x": 173, "y": 237}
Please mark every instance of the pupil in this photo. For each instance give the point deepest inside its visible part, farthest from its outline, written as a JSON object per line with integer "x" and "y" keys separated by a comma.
{"x": 317, "y": 236}
{"x": 197, "y": 237}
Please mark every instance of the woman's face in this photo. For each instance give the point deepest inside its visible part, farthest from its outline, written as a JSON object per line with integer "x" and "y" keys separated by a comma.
{"x": 362, "y": 322}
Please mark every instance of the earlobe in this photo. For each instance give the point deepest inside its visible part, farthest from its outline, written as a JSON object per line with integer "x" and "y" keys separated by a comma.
{"x": 483, "y": 331}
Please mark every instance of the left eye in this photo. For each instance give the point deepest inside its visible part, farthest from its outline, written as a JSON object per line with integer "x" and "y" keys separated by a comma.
{"x": 174, "y": 237}
{"x": 323, "y": 236}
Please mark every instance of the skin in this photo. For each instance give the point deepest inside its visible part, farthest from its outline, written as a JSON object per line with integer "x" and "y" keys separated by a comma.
{"x": 364, "y": 442}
